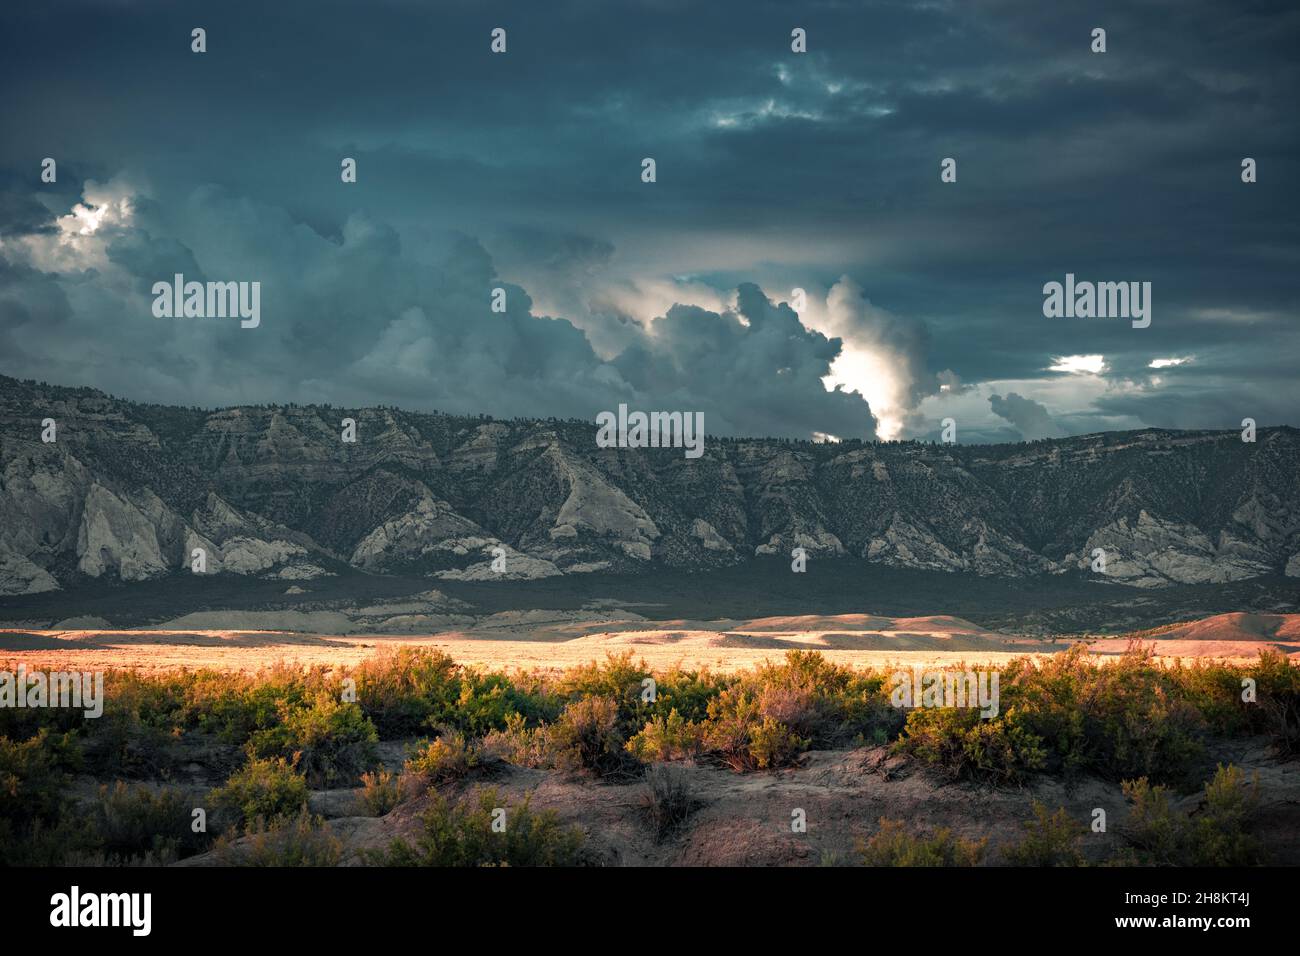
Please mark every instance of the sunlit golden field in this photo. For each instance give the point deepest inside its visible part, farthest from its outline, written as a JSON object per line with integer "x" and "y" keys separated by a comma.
{"x": 527, "y": 641}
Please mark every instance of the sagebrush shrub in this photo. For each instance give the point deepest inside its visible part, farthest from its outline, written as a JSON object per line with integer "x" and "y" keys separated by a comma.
{"x": 334, "y": 741}
{"x": 140, "y": 821}
{"x": 1051, "y": 839}
{"x": 1278, "y": 689}
{"x": 461, "y": 833}
{"x": 516, "y": 743}
{"x": 1000, "y": 749}
{"x": 1217, "y": 834}
{"x": 35, "y": 829}
{"x": 587, "y": 737}
{"x": 667, "y": 738}
{"x": 381, "y": 791}
{"x": 744, "y": 739}
{"x": 894, "y": 845}
{"x": 298, "y": 840}
{"x": 449, "y": 757}
{"x": 266, "y": 788}
{"x": 669, "y": 799}
{"x": 34, "y": 774}
{"x": 1221, "y": 832}
{"x": 403, "y": 691}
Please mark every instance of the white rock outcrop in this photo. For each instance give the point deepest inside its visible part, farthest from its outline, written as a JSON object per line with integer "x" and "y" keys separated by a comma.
{"x": 1153, "y": 552}
{"x": 116, "y": 536}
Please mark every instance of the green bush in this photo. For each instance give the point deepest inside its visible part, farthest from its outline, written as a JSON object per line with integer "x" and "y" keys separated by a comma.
{"x": 34, "y": 775}
{"x": 1153, "y": 827}
{"x": 827, "y": 704}
{"x": 450, "y": 757}
{"x": 298, "y": 840}
{"x": 35, "y": 827}
{"x": 668, "y": 800}
{"x": 461, "y": 834}
{"x": 404, "y": 691}
{"x": 616, "y": 679}
{"x": 1221, "y": 831}
{"x": 1218, "y": 834}
{"x": 269, "y": 789}
{"x": 587, "y": 737}
{"x": 1278, "y": 689}
{"x": 334, "y": 742}
{"x": 65, "y": 841}
{"x": 1143, "y": 724}
{"x": 141, "y": 822}
{"x": 488, "y": 702}
{"x": 739, "y": 735}
{"x": 772, "y": 744}
{"x": 1127, "y": 718}
{"x": 517, "y": 744}
{"x": 235, "y": 706}
{"x": 381, "y": 792}
{"x": 667, "y": 738}
{"x": 998, "y": 749}
{"x": 687, "y": 692}
{"x": 1050, "y": 840}
{"x": 120, "y": 741}
{"x": 893, "y": 845}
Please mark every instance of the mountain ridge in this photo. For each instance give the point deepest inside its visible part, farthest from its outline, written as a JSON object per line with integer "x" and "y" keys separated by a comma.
{"x": 130, "y": 490}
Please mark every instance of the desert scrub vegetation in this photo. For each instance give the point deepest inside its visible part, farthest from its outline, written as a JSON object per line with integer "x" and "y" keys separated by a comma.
{"x": 283, "y": 730}
{"x": 266, "y": 788}
{"x": 668, "y": 800}
{"x": 138, "y": 821}
{"x": 1217, "y": 833}
{"x": 123, "y": 825}
{"x": 1002, "y": 750}
{"x": 740, "y": 735}
{"x": 588, "y": 736}
{"x": 299, "y": 840}
{"x": 667, "y": 738}
{"x": 332, "y": 742}
{"x": 450, "y": 757}
{"x": 33, "y": 775}
{"x": 1051, "y": 839}
{"x": 1128, "y": 718}
{"x": 414, "y": 690}
{"x": 894, "y": 845}
{"x": 35, "y": 828}
{"x": 380, "y": 792}
{"x": 765, "y": 718}
{"x": 462, "y": 833}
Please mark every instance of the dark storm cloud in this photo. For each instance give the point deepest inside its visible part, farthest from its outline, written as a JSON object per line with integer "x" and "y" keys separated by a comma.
{"x": 763, "y": 375}
{"x": 772, "y": 168}
{"x": 1030, "y": 418}
{"x": 360, "y": 320}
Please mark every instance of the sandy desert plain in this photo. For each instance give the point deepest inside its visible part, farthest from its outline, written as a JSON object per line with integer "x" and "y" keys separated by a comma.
{"x": 554, "y": 640}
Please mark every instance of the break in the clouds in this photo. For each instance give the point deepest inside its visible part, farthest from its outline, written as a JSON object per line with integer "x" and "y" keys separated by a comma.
{"x": 776, "y": 171}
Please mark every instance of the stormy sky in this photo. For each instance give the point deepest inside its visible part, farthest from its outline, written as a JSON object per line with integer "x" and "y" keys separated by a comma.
{"x": 775, "y": 171}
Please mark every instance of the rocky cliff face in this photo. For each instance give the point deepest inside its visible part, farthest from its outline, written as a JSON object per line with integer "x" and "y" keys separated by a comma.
{"x": 129, "y": 492}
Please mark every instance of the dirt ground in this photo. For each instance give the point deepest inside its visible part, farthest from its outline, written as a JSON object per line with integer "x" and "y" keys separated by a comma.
{"x": 745, "y": 819}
